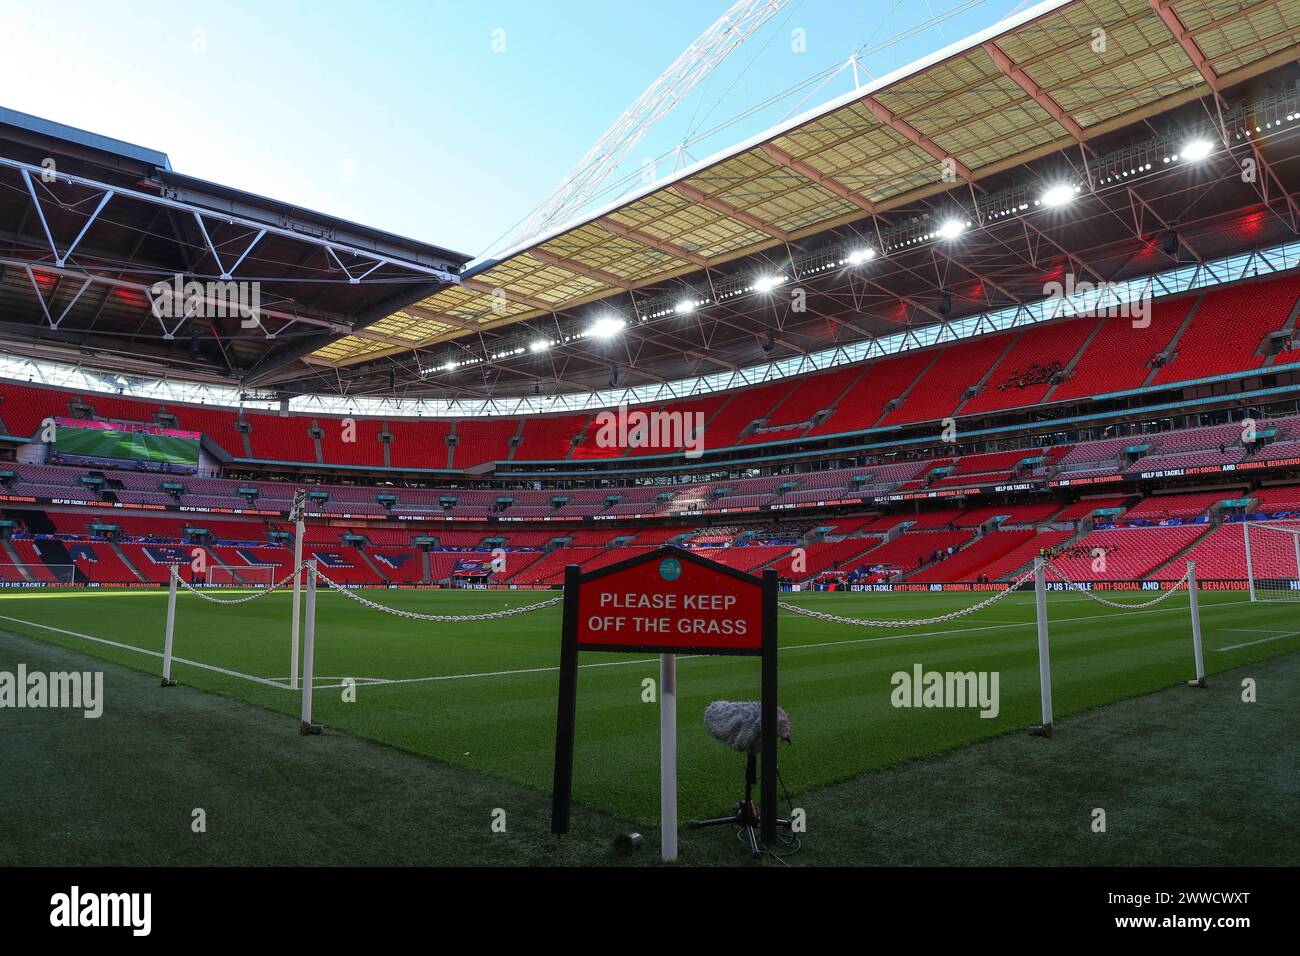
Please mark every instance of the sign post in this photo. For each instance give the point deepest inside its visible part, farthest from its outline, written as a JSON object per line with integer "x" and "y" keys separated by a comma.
{"x": 668, "y": 757}
{"x": 666, "y": 602}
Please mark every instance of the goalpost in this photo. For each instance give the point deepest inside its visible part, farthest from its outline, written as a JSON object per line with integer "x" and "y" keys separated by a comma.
{"x": 249, "y": 576}
{"x": 39, "y": 575}
{"x": 1272, "y": 561}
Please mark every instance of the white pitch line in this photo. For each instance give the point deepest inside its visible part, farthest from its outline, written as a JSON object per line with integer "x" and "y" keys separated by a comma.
{"x": 371, "y": 681}
{"x": 991, "y": 627}
{"x": 142, "y": 650}
{"x": 534, "y": 670}
{"x": 793, "y": 647}
{"x": 1277, "y": 636}
{"x": 379, "y": 681}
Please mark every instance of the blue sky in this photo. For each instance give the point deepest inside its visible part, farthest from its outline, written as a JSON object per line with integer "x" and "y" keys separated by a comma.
{"x": 401, "y": 115}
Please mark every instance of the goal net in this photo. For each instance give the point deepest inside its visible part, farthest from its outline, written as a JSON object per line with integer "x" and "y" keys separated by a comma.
{"x": 39, "y": 575}
{"x": 247, "y": 576}
{"x": 1272, "y": 561}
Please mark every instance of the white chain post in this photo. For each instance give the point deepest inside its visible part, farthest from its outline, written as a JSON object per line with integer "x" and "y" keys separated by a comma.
{"x": 1044, "y": 658}
{"x": 309, "y": 653}
{"x": 1193, "y": 601}
{"x": 171, "y": 629}
{"x": 299, "y": 527}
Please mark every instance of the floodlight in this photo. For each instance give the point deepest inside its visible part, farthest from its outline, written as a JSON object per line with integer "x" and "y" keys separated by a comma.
{"x": 859, "y": 256}
{"x": 951, "y": 229}
{"x": 539, "y": 345}
{"x": 767, "y": 283}
{"x": 1197, "y": 149}
{"x": 606, "y": 327}
{"x": 1058, "y": 195}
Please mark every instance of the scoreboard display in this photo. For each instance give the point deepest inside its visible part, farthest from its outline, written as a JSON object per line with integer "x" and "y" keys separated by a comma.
{"x": 125, "y": 441}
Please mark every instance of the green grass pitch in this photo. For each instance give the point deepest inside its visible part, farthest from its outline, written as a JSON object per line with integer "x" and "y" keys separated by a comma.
{"x": 483, "y": 695}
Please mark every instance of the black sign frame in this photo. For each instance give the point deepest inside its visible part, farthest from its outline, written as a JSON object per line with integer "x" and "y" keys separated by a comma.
{"x": 566, "y": 711}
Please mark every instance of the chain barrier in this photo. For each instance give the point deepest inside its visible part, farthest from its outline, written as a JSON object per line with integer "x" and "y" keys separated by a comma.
{"x": 783, "y": 605}
{"x": 1162, "y": 596}
{"x": 915, "y": 622}
{"x": 436, "y": 618}
{"x": 241, "y": 600}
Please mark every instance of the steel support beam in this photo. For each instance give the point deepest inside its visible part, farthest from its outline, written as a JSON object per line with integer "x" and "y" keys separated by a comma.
{"x": 1036, "y": 92}
{"x": 830, "y": 183}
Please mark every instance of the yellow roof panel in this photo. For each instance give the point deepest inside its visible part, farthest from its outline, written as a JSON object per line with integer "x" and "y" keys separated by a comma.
{"x": 1094, "y": 60}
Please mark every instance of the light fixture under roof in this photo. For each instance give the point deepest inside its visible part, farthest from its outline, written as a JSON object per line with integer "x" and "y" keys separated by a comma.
{"x": 859, "y": 256}
{"x": 684, "y": 306}
{"x": 606, "y": 327}
{"x": 1197, "y": 149}
{"x": 951, "y": 229}
{"x": 539, "y": 345}
{"x": 1059, "y": 195}
{"x": 766, "y": 283}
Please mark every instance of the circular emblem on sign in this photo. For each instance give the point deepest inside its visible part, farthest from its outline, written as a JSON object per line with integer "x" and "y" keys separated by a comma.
{"x": 670, "y": 569}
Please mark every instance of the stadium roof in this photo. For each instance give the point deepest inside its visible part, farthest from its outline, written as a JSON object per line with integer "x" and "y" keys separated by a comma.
{"x": 1057, "y": 77}
{"x": 88, "y": 224}
{"x": 1095, "y": 93}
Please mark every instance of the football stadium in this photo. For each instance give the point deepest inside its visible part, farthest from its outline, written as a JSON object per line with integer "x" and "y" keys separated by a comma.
{"x": 966, "y": 401}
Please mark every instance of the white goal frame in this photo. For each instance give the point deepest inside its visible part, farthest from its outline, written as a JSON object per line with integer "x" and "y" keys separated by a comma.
{"x": 253, "y": 575}
{"x": 1282, "y": 540}
{"x": 12, "y": 575}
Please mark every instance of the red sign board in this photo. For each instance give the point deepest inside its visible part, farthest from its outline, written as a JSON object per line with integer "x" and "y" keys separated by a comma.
{"x": 670, "y": 604}
{"x": 667, "y": 602}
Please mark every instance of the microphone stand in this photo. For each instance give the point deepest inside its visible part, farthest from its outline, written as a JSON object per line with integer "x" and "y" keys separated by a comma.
{"x": 747, "y": 816}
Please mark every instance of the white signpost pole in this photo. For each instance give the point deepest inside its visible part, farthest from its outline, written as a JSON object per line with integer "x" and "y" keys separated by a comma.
{"x": 668, "y": 756}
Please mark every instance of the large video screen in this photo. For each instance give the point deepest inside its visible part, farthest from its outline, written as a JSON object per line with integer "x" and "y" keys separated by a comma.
{"x": 125, "y": 441}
